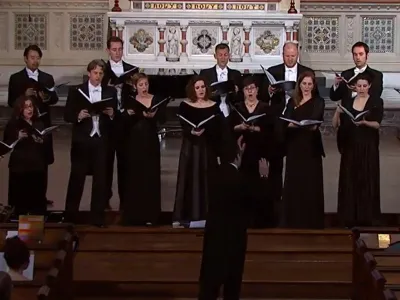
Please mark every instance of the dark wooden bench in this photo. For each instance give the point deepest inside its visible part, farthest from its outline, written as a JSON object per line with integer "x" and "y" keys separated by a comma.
{"x": 53, "y": 266}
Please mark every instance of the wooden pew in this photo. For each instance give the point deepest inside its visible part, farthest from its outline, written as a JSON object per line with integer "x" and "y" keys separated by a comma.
{"x": 360, "y": 273}
{"x": 53, "y": 263}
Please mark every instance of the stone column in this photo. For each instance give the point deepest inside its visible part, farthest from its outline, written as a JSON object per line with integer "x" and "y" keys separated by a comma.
{"x": 113, "y": 29}
{"x": 184, "y": 42}
{"x": 289, "y": 31}
{"x": 247, "y": 41}
{"x": 296, "y": 33}
{"x": 225, "y": 29}
{"x": 120, "y": 31}
{"x": 161, "y": 40}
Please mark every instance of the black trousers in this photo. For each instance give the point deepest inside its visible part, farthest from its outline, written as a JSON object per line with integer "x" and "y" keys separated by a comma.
{"x": 225, "y": 240}
{"x": 26, "y": 192}
{"x": 275, "y": 185}
{"x": 88, "y": 158}
{"x": 116, "y": 150}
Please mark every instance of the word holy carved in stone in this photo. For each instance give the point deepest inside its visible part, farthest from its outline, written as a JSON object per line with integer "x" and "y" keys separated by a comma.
{"x": 203, "y": 6}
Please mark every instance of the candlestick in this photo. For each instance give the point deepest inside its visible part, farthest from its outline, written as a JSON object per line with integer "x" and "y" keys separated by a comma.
{"x": 116, "y": 6}
{"x": 292, "y": 9}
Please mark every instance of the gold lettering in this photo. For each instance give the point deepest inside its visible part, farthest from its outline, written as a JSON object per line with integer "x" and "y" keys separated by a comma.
{"x": 204, "y": 6}
{"x": 163, "y": 5}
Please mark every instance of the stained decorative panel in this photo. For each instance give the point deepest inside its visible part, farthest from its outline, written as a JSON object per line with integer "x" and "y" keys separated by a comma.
{"x": 378, "y": 34}
{"x": 86, "y": 32}
{"x": 321, "y": 34}
{"x": 30, "y": 29}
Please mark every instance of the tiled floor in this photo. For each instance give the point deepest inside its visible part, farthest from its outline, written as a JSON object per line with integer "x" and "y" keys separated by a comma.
{"x": 59, "y": 172}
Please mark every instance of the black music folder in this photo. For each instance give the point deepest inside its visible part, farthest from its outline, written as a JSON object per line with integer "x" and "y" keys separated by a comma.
{"x": 222, "y": 88}
{"x": 5, "y": 148}
{"x": 98, "y": 106}
{"x": 198, "y": 126}
{"x": 302, "y": 122}
{"x": 353, "y": 118}
{"x": 351, "y": 81}
{"x": 40, "y": 87}
{"x": 284, "y": 85}
{"x": 139, "y": 107}
{"x": 122, "y": 78}
{"x": 249, "y": 120}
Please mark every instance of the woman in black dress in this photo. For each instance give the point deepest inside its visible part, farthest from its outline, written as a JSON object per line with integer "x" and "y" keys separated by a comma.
{"x": 256, "y": 135}
{"x": 199, "y": 154}
{"x": 27, "y": 165}
{"x": 303, "y": 193}
{"x": 142, "y": 203}
{"x": 359, "y": 183}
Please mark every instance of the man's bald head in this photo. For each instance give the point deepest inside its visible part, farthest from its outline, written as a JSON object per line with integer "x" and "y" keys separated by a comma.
{"x": 290, "y": 54}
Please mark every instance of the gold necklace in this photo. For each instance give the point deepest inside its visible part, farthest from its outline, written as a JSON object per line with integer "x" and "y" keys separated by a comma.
{"x": 250, "y": 105}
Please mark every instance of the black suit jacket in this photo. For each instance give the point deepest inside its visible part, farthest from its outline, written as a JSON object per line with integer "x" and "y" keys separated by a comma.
{"x": 20, "y": 82}
{"x": 234, "y": 75}
{"x": 343, "y": 92}
{"x": 77, "y": 102}
{"x": 277, "y": 101}
{"x": 109, "y": 76}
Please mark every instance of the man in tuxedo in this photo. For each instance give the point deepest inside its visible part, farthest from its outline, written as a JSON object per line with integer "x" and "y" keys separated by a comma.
{"x": 39, "y": 85}
{"x": 114, "y": 68}
{"x": 340, "y": 90}
{"x": 90, "y": 142}
{"x": 289, "y": 70}
{"x": 219, "y": 73}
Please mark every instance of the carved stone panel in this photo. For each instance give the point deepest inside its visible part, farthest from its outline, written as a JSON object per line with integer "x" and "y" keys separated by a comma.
{"x": 321, "y": 34}
{"x": 378, "y": 33}
{"x": 204, "y": 39}
{"x": 267, "y": 41}
{"x": 86, "y": 32}
{"x": 3, "y": 31}
{"x": 141, "y": 39}
{"x": 30, "y": 29}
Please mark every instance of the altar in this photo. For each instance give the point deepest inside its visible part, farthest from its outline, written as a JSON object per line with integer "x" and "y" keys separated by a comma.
{"x": 181, "y": 35}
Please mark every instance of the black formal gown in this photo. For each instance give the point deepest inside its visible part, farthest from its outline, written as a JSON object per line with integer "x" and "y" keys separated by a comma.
{"x": 198, "y": 161}
{"x": 260, "y": 209}
{"x": 142, "y": 203}
{"x": 359, "y": 182}
{"x": 27, "y": 169}
{"x": 303, "y": 192}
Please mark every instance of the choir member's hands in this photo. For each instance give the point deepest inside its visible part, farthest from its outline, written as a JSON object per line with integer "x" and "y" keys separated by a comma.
{"x": 253, "y": 128}
{"x": 130, "y": 112}
{"x": 150, "y": 114}
{"x": 272, "y": 90}
{"x": 83, "y": 114}
{"x": 37, "y": 139}
{"x": 236, "y": 88}
{"x": 339, "y": 110}
{"x": 242, "y": 146}
{"x": 263, "y": 167}
{"x": 30, "y": 92}
{"x": 360, "y": 123}
{"x": 109, "y": 111}
{"x": 291, "y": 125}
{"x": 22, "y": 134}
{"x": 242, "y": 127}
{"x": 197, "y": 132}
{"x": 352, "y": 87}
{"x": 338, "y": 80}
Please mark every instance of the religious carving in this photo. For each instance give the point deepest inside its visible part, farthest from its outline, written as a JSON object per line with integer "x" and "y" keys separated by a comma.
{"x": 86, "y": 31}
{"x": 172, "y": 44}
{"x": 30, "y": 29}
{"x": 141, "y": 40}
{"x": 3, "y": 31}
{"x": 204, "y": 41}
{"x": 236, "y": 45}
{"x": 267, "y": 41}
{"x": 322, "y": 34}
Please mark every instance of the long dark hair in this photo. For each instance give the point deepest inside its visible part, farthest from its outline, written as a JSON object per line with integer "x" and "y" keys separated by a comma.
{"x": 298, "y": 94}
{"x": 19, "y": 106}
{"x": 191, "y": 92}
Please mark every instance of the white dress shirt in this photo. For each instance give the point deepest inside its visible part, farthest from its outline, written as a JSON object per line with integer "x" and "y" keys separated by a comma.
{"x": 95, "y": 96}
{"x": 356, "y": 72}
{"x": 32, "y": 74}
{"x": 118, "y": 69}
{"x": 222, "y": 75}
{"x": 290, "y": 75}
